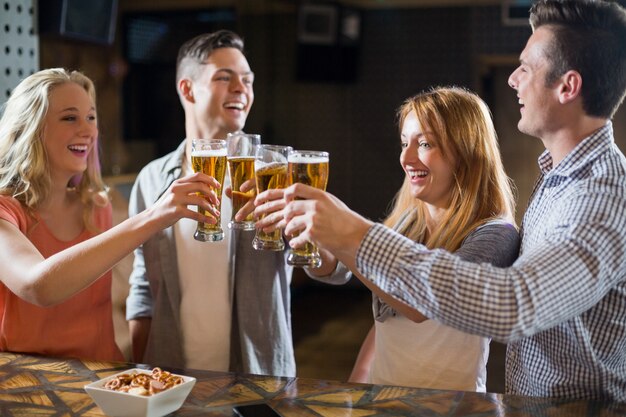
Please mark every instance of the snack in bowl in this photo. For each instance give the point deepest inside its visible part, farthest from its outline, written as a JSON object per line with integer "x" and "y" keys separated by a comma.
{"x": 140, "y": 392}
{"x": 144, "y": 384}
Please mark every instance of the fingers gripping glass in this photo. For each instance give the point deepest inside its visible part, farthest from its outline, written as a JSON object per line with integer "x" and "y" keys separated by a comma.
{"x": 270, "y": 170}
{"x": 209, "y": 156}
{"x": 241, "y": 156}
{"x": 311, "y": 168}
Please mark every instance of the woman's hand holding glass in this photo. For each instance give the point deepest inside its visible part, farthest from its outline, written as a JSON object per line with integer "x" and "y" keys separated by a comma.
{"x": 209, "y": 157}
{"x": 173, "y": 204}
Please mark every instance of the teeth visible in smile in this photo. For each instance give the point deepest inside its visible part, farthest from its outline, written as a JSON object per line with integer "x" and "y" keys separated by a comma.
{"x": 78, "y": 148}
{"x": 238, "y": 106}
{"x": 416, "y": 174}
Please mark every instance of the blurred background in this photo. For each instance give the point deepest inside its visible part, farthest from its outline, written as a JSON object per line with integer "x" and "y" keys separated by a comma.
{"x": 329, "y": 75}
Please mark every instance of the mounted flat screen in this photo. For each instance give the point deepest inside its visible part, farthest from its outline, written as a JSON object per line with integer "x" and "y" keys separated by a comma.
{"x": 86, "y": 20}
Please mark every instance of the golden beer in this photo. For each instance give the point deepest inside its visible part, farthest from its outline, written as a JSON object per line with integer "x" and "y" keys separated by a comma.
{"x": 241, "y": 156}
{"x": 210, "y": 158}
{"x": 313, "y": 172}
{"x": 241, "y": 170}
{"x": 270, "y": 173}
{"x": 270, "y": 177}
{"x": 310, "y": 168}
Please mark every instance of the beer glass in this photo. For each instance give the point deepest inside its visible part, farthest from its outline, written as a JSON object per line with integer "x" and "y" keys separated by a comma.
{"x": 270, "y": 170}
{"x": 241, "y": 155}
{"x": 209, "y": 156}
{"x": 311, "y": 168}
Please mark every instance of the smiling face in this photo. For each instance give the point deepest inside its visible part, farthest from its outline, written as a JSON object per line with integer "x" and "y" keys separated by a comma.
{"x": 70, "y": 130}
{"x": 221, "y": 96}
{"x": 538, "y": 101}
{"x": 431, "y": 176}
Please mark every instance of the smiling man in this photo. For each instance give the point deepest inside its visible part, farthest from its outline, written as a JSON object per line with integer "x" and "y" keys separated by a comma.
{"x": 196, "y": 304}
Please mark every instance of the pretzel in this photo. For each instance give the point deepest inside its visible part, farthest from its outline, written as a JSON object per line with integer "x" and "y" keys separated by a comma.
{"x": 144, "y": 384}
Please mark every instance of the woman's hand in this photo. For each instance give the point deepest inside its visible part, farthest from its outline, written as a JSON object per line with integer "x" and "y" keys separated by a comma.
{"x": 173, "y": 204}
{"x": 49, "y": 281}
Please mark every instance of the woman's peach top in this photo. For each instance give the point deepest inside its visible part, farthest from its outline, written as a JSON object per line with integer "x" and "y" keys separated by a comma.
{"x": 81, "y": 326}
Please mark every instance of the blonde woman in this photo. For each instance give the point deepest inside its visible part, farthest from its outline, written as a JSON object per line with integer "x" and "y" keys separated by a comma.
{"x": 55, "y": 221}
{"x": 455, "y": 196}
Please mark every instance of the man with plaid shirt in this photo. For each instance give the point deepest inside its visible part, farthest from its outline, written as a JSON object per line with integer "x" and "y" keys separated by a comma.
{"x": 561, "y": 307}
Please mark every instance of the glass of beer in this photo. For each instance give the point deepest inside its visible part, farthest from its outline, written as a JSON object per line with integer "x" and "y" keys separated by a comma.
{"x": 310, "y": 168}
{"x": 270, "y": 170}
{"x": 209, "y": 156}
{"x": 241, "y": 155}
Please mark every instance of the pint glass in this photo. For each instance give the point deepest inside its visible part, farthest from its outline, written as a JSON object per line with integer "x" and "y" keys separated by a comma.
{"x": 209, "y": 156}
{"x": 241, "y": 155}
{"x": 311, "y": 168}
{"x": 270, "y": 170}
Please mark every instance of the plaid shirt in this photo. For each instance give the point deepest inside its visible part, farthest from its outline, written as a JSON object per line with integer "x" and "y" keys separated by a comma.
{"x": 562, "y": 305}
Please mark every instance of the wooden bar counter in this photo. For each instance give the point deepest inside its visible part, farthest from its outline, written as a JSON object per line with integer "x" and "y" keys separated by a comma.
{"x": 44, "y": 386}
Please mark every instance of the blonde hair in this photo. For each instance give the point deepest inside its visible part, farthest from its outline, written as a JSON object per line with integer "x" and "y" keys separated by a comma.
{"x": 24, "y": 170}
{"x": 463, "y": 130}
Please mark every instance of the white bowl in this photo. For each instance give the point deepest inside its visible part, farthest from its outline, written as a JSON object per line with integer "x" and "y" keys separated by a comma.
{"x": 122, "y": 404}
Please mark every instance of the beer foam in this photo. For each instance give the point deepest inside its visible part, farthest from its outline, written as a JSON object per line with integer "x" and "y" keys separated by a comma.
{"x": 303, "y": 159}
{"x": 242, "y": 158}
{"x": 209, "y": 152}
{"x": 259, "y": 165}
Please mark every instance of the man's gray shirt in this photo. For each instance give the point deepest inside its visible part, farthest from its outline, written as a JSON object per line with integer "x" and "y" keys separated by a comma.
{"x": 261, "y": 341}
